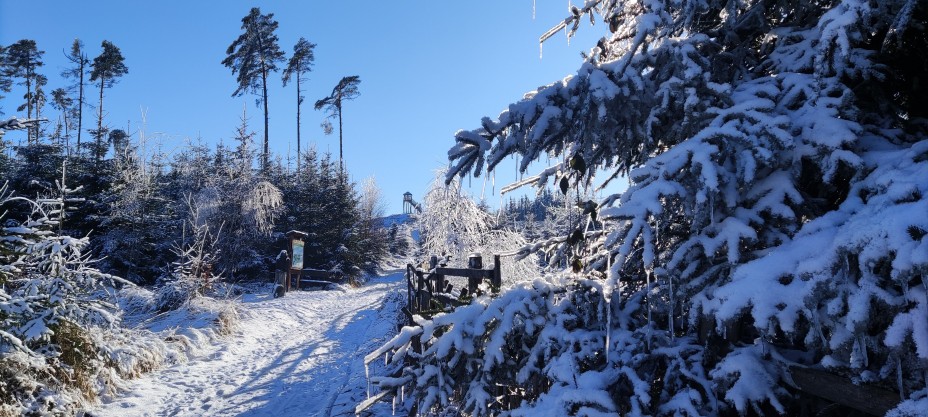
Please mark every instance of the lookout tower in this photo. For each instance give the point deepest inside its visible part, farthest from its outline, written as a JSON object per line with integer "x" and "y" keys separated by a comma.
{"x": 409, "y": 204}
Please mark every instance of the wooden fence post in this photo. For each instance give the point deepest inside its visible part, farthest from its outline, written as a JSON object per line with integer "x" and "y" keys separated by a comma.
{"x": 420, "y": 284}
{"x": 475, "y": 261}
{"x": 497, "y": 280}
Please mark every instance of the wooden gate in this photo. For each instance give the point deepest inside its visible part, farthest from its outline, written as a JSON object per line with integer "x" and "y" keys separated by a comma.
{"x": 434, "y": 290}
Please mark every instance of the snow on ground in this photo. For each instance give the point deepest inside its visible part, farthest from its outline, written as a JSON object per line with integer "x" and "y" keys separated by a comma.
{"x": 299, "y": 355}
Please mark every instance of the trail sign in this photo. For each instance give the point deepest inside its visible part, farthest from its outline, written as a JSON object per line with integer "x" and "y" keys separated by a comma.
{"x": 297, "y": 258}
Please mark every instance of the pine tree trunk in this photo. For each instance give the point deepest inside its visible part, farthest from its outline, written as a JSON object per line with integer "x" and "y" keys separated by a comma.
{"x": 264, "y": 161}
{"x": 297, "y": 121}
{"x": 29, "y": 105}
{"x": 38, "y": 115}
{"x": 100, "y": 122}
{"x": 341, "y": 155}
{"x": 80, "y": 106}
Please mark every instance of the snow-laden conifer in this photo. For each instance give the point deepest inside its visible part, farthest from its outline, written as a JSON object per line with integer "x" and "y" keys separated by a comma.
{"x": 775, "y": 217}
{"x": 52, "y": 303}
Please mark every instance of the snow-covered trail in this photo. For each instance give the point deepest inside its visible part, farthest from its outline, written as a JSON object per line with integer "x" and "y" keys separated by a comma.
{"x": 299, "y": 355}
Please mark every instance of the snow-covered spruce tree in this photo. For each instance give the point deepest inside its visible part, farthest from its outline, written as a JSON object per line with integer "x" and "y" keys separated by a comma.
{"x": 371, "y": 242}
{"x": 345, "y": 234}
{"x": 240, "y": 202}
{"x": 51, "y": 313}
{"x": 140, "y": 220}
{"x": 777, "y": 158}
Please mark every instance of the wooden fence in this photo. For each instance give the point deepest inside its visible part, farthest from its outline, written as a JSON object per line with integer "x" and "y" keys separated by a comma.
{"x": 433, "y": 290}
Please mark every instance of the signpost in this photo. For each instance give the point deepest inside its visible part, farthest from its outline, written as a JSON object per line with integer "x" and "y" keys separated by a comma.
{"x": 296, "y": 256}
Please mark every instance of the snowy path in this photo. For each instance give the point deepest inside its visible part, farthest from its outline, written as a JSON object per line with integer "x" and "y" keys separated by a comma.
{"x": 300, "y": 355}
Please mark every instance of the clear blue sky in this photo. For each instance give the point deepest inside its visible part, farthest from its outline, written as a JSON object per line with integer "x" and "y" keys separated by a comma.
{"x": 427, "y": 70}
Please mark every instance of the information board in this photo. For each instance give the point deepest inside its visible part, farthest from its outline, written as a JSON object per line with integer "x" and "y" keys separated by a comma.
{"x": 297, "y": 255}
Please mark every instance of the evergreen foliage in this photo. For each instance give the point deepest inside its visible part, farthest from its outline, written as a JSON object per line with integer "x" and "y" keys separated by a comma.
{"x": 237, "y": 205}
{"x": 345, "y": 232}
{"x": 140, "y": 219}
{"x": 62, "y": 102}
{"x": 776, "y": 154}
{"x": 6, "y": 81}
{"x": 50, "y": 307}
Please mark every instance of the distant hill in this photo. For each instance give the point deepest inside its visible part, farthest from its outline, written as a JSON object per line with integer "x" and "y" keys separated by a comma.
{"x": 398, "y": 219}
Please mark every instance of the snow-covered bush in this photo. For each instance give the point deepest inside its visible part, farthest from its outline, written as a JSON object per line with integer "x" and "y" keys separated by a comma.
{"x": 192, "y": 274}
{"x": 453, "y": 226}
{"x": 776, "y": 153}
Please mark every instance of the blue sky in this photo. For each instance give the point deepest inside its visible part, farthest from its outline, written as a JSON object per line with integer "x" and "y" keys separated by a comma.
{"x": 427, "y": 70}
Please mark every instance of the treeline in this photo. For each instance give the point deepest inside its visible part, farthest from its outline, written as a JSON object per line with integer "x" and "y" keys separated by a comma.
{"x": 138, "y": 206}
{"x": 20, "y": 64}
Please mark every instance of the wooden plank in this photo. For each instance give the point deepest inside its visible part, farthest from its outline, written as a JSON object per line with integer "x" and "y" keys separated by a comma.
{"x": 465, "y": 272}
{"x": 319, "y": 274}
{"x": 439, "y": 282}
{"x": 866, "y": 398}
{"x": 364, "y": 405}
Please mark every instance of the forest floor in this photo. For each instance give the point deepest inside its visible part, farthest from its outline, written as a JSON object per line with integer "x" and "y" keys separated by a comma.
{"x": 299, "y": 355}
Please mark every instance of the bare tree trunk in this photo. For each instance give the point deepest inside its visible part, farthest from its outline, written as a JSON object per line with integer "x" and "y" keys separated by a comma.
{"x": 341, "y": 155}
{"x": 38, "y": 115}
{"x": 29, "y": 99}
{"x": 80, "y": 106}
{"x": 100, "y": 122}
{"x": 264, "y": 161}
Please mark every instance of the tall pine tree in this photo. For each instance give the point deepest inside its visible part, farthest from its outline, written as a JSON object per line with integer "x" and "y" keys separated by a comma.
{"x": 6, "y": 82}
{"x": 80, "y": 64}
{"x": 23, "y": 59}
{"x": 253, "y": 56}
{"x": 64, "y": 104}
{"x": 300, "y": 63}
{"x": 106, "y": 70}
{"x": 346, "y": 89}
